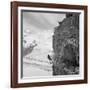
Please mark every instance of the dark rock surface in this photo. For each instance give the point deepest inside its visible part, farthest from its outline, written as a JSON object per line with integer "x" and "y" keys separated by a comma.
{"x": 66, "y": 46}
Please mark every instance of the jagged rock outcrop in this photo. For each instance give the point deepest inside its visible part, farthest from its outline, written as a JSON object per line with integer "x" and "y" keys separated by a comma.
{"x": 66, "y": 46}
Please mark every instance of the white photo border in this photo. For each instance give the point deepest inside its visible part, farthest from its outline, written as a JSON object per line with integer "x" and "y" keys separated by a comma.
{"x": 52, "y": 78}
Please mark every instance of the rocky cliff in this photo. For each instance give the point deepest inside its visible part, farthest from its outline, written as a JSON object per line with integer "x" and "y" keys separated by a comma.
{"x": 66, "y": 46}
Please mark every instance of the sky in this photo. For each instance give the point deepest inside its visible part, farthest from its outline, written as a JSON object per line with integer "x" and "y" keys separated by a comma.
{"x": 40, "y": 27}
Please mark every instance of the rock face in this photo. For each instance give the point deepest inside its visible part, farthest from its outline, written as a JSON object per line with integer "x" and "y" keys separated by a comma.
{"x": 66, "y": 46}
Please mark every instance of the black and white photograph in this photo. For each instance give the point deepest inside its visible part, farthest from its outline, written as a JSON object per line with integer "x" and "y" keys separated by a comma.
{"x": 50, "y": 43}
